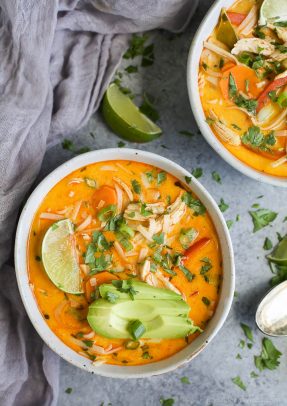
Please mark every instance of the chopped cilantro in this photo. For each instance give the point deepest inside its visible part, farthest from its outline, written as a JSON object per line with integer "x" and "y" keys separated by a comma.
{"x": 159, "y": 238}
{"x": 193, "y": 203}
{"x": 136, "y": 186}
{"x": 247, "y": 331}
{"x": 68, "y": 391}
{"x": 161, "y": 177}
{"x": 223, "y": 206}
{"x": 255, "y": 139}
{"x": 167, "y": 402}
{"x": 189, "y": 276}
{"x": 121, "y": 144}
{"x": 237, "y": 381}
{"x": 185, "y": 380}
{"x": 69, "y": 145}
{"x": 131, "y": 69}
{"x": 206, "y": 301}
{"x": 137, "y": 45}
{"x": 148, "y": 56}
{"x": 262, "y": 218}
{"x": 254, "y": 374}
{"x": 269, "y": 357}
{"x": 216, "y": 177}
{"x": 197, "y": 172}
{"x": 267, "y": 244}
{"x": 186, "y": 236}
{"x": 229, "y": 224}
{"x": 187, "y": 179}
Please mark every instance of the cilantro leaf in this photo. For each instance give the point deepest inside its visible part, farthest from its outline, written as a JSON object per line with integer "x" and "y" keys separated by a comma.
{"x": 269, "y": 357}
{"x": 247, "y": 331}
{"x": 216, "y": 177}
{"x": 197, "y": 172}
{"x": 193, "y": 203}
{"x": 186, "y": 236}
{"x": 136, "y": 186}
{"x": 189, "y": 276}
{"x": 223, "y": 206}
{"x": 111, "y": 297}
{"x": 161, "y": 177}
{"x": 158, "y": 238}
{"x": 237, "y": 381}
{"x": 267, "y": 244}
{"x": 167, "y": 402}
{"x": 185, "y": 380}
{"x": 262, "y": 218}
{"x": 137, "y": 45}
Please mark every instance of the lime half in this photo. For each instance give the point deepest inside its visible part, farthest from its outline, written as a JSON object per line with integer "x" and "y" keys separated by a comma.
{"x": 125, "y": 119}
{"x": 273, "y": 11}
{"x": 279, "y": 254}
{"x": 59, "y": 257}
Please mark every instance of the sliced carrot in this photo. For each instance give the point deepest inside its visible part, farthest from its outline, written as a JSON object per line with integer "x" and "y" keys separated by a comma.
{"x": 242, "y": 75}
{"x": 191, "y": 251}
{"x": 102, "y": 277}
{"x": 235, "y": 18}
{"x": 227, "y": 66}
{"x": 105, "y": 194}
{"x": 263, "y": 98}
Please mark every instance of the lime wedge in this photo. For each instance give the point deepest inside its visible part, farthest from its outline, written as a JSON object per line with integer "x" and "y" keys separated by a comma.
{"x": 59, "y": 257}
{"x": 125, "y": 119}
{"x": 273, "y": 11}
{"x": 279, "y": 254}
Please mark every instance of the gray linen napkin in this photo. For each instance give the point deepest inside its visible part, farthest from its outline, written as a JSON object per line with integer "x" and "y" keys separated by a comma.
{"x": 56, "y": 59}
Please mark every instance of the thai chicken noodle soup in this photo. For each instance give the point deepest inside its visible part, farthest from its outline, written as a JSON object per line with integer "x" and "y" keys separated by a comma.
{"x": 124, "y": 262}
{"x": 243, "y": 85}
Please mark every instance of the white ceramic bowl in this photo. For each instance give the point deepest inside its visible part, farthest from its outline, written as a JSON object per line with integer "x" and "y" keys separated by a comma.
{"x": 30, "y": 304}
{"x": 205, "y": 29}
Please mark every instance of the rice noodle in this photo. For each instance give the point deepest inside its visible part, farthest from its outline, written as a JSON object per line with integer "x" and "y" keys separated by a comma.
{"x": 224, "y": 132}
{"x": 279, "y": 120}
{"x": 76, "y": 210}
{"x": 85, "y": 223}
{"x": 220, "y": 51}
{"x": 98, "y": 362}
{"x": 212, "y": 80}
{"x": 51, "y": 216}
{"x": 119, "y": 198}
{"x": 125, "y": 187}
{"x": 78, "y": 342}
{"x": 279, "y": 162}
{"x": 167, "y": 283}
{"x": 76, "y": 180}
{"x": 249, "y": 21}
{"x": 105, "y": 351}
{"x": 144, "y": 180}
{"x": 64, "y": 211}
{"x": 120, "y": 251}
{"x": 142, "y": 254}
{"x": 124, "y": 168}
{"x": 145, "y": 233}
{"x": 108, "y": 168}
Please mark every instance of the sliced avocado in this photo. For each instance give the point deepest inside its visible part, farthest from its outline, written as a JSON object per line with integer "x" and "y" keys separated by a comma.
{"x": 161, "y": 318}
{"x": 143, "y": 292}
{"x": 225, "y": 31}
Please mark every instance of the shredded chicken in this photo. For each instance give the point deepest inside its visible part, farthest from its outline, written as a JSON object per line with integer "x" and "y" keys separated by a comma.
{"x": 225, "y": 133}
{"x": 255, "y": 45}
{"x": 135, "y": 209}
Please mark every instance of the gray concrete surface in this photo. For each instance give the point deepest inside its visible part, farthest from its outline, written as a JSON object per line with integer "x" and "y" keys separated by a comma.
{"x": 211, "y": 372}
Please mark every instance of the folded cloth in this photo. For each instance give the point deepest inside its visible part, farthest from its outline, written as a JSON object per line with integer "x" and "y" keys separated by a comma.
{"x": 56, "y": 59}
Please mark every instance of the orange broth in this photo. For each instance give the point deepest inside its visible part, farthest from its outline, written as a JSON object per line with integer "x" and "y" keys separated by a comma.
{"x": 66, "y": 313}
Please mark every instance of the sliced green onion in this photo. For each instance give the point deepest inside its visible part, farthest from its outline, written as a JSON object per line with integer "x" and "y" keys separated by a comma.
{"x": 136, "y": 329}
{"x": 126, "y": 230}
{"x": 107, "y": 212}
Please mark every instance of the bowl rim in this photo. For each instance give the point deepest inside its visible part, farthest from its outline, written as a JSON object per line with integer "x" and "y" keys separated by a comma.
{"x": 30, "y": 304}
{"x": 204, "y": 30}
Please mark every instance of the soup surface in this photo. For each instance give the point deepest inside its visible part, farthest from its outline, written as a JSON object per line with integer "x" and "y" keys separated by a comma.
{"x": 131, "y": 222}
{"x": 243, "y": 86}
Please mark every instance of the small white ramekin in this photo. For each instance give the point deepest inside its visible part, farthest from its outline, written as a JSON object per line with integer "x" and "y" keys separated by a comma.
{"x": 28, "y": 298}
{"x": 205, "y": 29}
